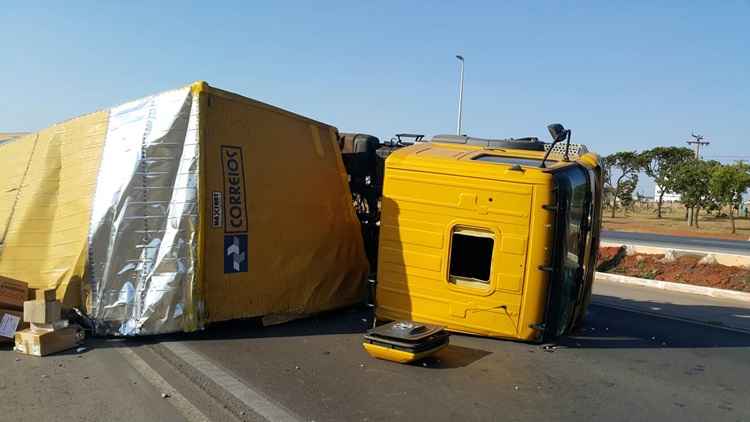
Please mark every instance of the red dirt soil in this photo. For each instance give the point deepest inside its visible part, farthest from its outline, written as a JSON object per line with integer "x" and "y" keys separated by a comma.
{"x": 685, "y": 269}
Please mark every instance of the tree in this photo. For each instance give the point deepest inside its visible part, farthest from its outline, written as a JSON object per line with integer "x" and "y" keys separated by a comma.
{"x": 628, "y": 164}
{"x": 691, "y": 181}
{"x": 625, "y": 196}
{"x": 659, "y": 163}
{"x": 727, "y": 184}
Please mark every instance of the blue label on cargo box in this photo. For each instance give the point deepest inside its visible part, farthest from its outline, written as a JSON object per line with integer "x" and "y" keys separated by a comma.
{"x": 235, "y": 253}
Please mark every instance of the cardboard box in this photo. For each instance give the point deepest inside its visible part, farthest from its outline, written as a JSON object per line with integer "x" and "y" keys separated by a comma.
{"x": 45, "y": 295}
{"x": 10, "y": 322}
{"x": 43, "y": 343}
{"x": 12, "y": 293}
{"x": 52, "y": 326}
{"x": 42, "y": 312}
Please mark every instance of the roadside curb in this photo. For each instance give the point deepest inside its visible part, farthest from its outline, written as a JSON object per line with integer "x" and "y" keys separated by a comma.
{"x": 732, "y": 260}
{"x": 676, "y": 287}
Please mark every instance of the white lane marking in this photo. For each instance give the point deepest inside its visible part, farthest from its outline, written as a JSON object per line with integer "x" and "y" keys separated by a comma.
{"x": 190, "y": 412}
{"x": 251, "y": 398}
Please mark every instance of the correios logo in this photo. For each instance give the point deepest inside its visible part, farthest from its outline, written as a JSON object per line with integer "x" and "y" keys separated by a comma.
{"x": 235, "y": 253}
{"x": 234, "y": 213}
{"x": 235, "y": 219}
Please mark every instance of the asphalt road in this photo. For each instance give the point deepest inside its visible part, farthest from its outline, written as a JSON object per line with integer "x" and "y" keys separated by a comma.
{"x": 104, "y": 382}
{"x": 636, "y": 359}
{"x": 625, "y": 365}
{"x": 738, "y": 247}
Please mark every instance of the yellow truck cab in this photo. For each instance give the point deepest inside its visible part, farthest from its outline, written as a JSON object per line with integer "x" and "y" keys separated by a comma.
{"x": 481, "y": 237}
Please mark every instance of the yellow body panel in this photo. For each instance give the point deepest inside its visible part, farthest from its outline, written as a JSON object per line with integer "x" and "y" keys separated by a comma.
{"x": 305, "y": 250}
{"x": 432, "y": 190}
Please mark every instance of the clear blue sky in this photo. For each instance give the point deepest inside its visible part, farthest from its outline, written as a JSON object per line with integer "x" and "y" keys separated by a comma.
{"x": 625, "y": 76}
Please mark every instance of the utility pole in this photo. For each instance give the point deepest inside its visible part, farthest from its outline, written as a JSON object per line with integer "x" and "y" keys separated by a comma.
{"x": 460, "y": 95}
{"x": 698, "y": 142}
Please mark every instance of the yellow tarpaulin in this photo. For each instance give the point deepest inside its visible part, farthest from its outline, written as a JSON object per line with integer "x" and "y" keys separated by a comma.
{"x": 49, "y": 179}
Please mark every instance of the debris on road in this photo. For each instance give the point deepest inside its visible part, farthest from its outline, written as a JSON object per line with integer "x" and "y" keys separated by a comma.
{"x": 48, "y": 332}
{"x": 12, "y": 295}
{"x": 405, "y": 341}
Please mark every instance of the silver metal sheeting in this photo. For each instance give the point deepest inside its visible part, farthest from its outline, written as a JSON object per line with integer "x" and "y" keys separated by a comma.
{"x": 144, "y": 221}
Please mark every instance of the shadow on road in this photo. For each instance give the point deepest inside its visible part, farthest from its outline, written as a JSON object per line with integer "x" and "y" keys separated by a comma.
{"x": 611, "y": 323}
{"x": 453, "y": 356}
{"x": 623, "y": 323}
{"x": 355, "y": 320}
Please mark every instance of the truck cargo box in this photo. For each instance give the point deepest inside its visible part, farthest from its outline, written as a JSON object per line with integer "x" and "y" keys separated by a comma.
{"x": 186, "y": 207}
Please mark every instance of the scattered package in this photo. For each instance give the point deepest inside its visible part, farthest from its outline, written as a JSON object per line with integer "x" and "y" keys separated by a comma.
{"x": 43, "y": 343}
{"x": 45, "y": 295}
{"x": 10, "y": 322}
{"x": 52, "y": 326}
{"x": 13, "y": 293}
{"x": 40, "y": 312}
{"x": 48, "y": 333}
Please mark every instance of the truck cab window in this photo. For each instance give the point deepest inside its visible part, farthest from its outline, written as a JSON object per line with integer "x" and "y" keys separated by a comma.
{"x": 471, "y": 256}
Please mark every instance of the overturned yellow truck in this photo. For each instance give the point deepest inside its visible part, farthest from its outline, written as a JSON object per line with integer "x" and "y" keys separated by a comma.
{"x": 179, "y": 209}
{"x": 496, "y": 237}
{"x": 197, "y": 205}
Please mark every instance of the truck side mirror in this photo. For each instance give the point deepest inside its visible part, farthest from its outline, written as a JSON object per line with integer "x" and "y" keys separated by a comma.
{"x": 557, "y": 131}
{"x": 559, "y": 134}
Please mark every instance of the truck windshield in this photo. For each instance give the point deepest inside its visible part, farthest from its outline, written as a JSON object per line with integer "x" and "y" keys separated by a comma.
{"x": 573, "y": 199}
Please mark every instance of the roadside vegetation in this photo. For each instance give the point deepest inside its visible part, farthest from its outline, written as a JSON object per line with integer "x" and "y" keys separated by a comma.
{"x": 640, "y": 216}
{"x": 709, "y": 191}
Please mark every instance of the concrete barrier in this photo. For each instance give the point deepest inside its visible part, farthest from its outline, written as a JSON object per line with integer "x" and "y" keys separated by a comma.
{"x": 675, "y": 287}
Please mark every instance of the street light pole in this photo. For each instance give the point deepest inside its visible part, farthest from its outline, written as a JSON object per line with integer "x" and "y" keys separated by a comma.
{"x": 460, "y": 95}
